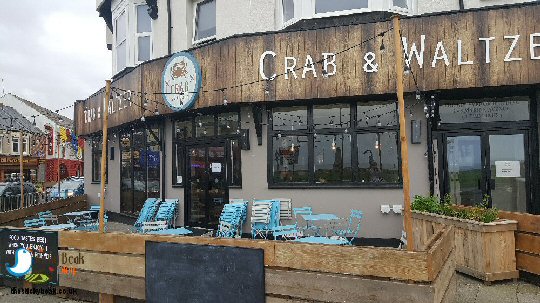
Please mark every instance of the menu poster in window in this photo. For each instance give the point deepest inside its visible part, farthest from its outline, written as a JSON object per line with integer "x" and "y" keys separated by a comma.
{"x": 507, "y": 169}
{"x": 29, "y": 255}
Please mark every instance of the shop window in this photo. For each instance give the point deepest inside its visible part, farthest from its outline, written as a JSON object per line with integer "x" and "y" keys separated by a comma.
{"x": 205, "y": 20}
{"x": 378, "y": 158}
{"x": 401, "y": 3}
{"x": 290, "y": 159}
{"x": 327, "y": 6}
{"x": 228, "y": 124}
{"x": 288, "y": 10}
{"x": 204, "y": 126}
{"x": 335, "y": 146}
{"x": 143, "y": 33}
{"x": 120, "y": 24}
{"x": 96, "y": 160}
{"x": 290, "y": 118}
{"x": 332, "y": 161}
{"x": 332, "y": 116}
{"x": 511, "y": 109}
{"x": 235, "y": 154}
{"x": 183, "y": 129}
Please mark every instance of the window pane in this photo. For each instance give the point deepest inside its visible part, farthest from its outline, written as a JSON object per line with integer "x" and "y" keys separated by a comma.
{"x": 324, "y": 6}
{"x": 144, "y": 23}
{"x": 121, "y": 56}
{"x": 15, "y": 145}
{"x": 376, "y": 113}
{"x": 204, "y": 126}
{"x": 485, "y": 110}
{"x": 333, "y": 158}
{"x": 332, "y": 116}
{"x": 144, "y": 48}
{"x": 179, "y": 168}
{"x": 288, "y": 10}
{"x": 121, "y": 27}
{"x": 289, "y": 118}
{"x": 184, "y": 129}
{"x": 401, "y": 3}
{"x": 228, "y": 124}
{"x": 378, "y": 158}
{"x": 206, "y": 20}
{"x": 236, "y": 168}
{"x": 290, "y": 159}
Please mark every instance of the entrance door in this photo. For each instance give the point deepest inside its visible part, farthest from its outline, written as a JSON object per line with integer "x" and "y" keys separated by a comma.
{"x": 208, "y": 190}
{"x": 492, "y": 163}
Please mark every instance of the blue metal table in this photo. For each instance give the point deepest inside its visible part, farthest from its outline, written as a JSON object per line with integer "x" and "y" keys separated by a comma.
{"x": 320, "y": 217}
{"x": 172, "y": 231}
{"x": 321, "y": 240}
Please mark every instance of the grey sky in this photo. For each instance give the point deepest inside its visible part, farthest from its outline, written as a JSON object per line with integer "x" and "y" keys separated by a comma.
{"x": 52, "y": 52}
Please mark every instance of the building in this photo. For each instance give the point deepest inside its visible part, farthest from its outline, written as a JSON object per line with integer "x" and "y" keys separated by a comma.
{"x": 307, "y": 110}
{"x": 51, "y": 124}
{"x": 17, "y": 135}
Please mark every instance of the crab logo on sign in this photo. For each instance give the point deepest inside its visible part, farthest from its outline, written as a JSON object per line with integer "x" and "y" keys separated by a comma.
{"x": 181, "y": 81}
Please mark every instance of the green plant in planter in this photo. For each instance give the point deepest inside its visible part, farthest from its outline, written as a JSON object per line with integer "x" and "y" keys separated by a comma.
{"x": 446, "y": 207}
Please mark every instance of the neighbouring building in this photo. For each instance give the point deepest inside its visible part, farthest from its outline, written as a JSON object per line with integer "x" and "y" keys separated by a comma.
{"x": 17, "y": 135}
{"x": 222, "y": 99}
{"x": 61, "y": 145}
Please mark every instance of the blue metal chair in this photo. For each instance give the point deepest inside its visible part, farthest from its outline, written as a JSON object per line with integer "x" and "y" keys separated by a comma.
{"x": 34, "y": 223}
{"x": 147, "y": 213}
{"x": 231, "y": 220}
{"x": 352, "y": 229}
{"x": 48, "y": 216}
{"x": 168, "y": 211}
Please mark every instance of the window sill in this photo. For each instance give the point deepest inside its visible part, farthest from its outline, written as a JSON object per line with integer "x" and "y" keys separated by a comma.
{"x": 334, "y": 186}
{"x": 204, "y": 40}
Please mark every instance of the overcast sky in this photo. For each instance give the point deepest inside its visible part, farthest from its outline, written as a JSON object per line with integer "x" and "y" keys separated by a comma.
{"x": 52, "y": 52}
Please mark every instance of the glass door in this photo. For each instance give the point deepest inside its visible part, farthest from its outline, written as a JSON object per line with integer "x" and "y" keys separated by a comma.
{"x": 208, "y": 189}
{"x": 508, "y": 172}
{"x": 465, "y": 178}
{"x": 491, "y": 163}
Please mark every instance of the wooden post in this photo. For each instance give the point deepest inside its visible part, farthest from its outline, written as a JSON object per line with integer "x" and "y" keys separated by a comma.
{"x": 21, "y": 171}
{"x": 403, "y": 133}
{"x": 106, "y": 298}
{"x": 58, "y": 160}
{"x": 104, "y": 155}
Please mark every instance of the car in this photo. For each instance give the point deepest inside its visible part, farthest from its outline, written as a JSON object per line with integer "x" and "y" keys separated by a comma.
{"x": 69, "y": 187}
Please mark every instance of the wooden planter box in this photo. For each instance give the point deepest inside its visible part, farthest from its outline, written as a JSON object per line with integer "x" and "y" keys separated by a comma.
{"x": 483, "y": 250}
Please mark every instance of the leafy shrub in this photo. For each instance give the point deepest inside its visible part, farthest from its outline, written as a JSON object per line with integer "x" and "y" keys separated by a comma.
{"x": 446, "y": 207}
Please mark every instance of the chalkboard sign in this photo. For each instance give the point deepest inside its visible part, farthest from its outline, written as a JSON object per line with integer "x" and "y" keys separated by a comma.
{"x": 29, "y": 255}
{"x": 201, "y": 273}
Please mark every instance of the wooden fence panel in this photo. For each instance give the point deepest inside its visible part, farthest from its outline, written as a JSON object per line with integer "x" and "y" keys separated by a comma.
{"x": 527, "y": 241}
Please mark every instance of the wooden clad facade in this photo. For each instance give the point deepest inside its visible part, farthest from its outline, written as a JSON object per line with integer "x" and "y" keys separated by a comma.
{"x": 483, "y": 48}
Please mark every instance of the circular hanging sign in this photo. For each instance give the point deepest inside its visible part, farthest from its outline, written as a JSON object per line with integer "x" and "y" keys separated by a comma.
{"x": 181, "y": 81}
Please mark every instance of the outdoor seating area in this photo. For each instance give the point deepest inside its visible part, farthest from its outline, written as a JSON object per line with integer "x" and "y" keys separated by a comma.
{"x": 157, "y": 216}
{"x": 77, "y": 220}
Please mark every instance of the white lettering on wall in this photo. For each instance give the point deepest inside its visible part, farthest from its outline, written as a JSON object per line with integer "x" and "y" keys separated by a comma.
{"x": 311, "y": 68}
{"x": 486, "y": 41}
{"x": 290, "y": 68}
{"x": 460, "y": 55}
{"x": 327, "y": 63}
{"x": 414, "y": 51}
{"x": 533, "y": 46}
{"x": 261, "y": 65}
{"x": 508, "y": 56}
{"x": 440, "y": 48}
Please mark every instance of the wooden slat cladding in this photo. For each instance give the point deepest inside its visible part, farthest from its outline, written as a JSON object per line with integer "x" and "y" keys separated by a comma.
{"x": 230, "y": 67}
{"x": 527, "y": 241}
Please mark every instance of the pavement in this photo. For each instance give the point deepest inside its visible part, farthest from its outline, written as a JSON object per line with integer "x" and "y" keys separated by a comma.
{"x": 469, "y": 291}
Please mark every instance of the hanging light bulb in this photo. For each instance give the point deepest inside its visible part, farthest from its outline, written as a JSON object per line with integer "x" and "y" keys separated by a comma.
{"x": 406, "y": 69}
{"x": 334, "y": 144}
{"x": 34, "y": 122}
{"x": 292, "y": 148}
{"x": 156, "y": 112}
{"x": 377, "y": 144}
{"x": 382, "y": 48}
{"x": 143, "y": 119}
{"x": 410, "y": 113}
{"x": 325, "y": 73}
{"x": 145, "y": 103}
{"x": 418, "y": 96}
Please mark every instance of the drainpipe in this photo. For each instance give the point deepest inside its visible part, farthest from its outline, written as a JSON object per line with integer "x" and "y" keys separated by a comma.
{"x": 461, "y": 5}
{"x": 169, "y": 28}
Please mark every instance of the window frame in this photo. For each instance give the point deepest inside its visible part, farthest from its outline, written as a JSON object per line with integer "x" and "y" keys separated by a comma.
{"x": 99, "y": 143}
{"x": 184, "y": 143}
{"x": 196, "y": 4}
{"x": 138, "y": 35}
{"x": 369, "y": 8}
{"x": 13, "y": 151}
{"x": 353, "y": 131}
